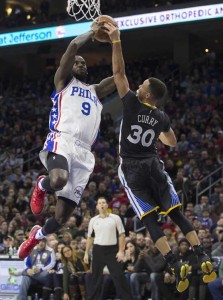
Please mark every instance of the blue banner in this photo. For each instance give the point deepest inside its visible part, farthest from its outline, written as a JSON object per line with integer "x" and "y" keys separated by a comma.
{"x": 175, "y": 16}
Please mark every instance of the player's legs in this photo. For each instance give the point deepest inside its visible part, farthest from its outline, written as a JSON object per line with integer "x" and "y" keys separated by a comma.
{"x": 81, "y": 167}
{"x": 191, "y": 235}
{"x": 57, "y": 166}
{"x": 98, "y": 264}
{"x": 58, "y": 169}
{"x": 116, "y": 271}
{"x": 170, "y": 205}
{"x": 136, "y": 179}
{"x": 180, "y": 270}
{"x": 64, "y": 209}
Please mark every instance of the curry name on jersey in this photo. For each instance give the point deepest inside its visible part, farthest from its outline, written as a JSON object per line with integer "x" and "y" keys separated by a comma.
{"x": 141, "y": 127}
{"x": 77, "y": 111}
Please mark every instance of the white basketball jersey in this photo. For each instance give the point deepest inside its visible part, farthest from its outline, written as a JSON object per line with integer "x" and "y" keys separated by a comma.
{"x": 77, "y": 111}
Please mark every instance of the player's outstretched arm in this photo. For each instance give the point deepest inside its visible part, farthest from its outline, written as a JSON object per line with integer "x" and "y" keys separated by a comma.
{"x": 118, "y": 64}
{"x": 105, "y": 87}
{"x": 168, "y": 138}
{"x": 67, "y": 61}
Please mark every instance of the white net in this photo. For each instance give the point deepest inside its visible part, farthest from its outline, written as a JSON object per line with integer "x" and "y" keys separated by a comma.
{"x": 83, "y": 9}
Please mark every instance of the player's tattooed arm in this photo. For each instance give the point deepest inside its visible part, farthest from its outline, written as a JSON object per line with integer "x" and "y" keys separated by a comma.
{"x": 105, "y": 87}
{"x": 67, "y": 61}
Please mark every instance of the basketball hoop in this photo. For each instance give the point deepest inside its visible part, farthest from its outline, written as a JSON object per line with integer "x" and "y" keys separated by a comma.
{"x": 80, "y": 9}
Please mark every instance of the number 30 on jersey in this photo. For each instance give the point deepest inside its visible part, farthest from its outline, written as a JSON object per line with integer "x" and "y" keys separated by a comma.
{"x": 138, "y": 136}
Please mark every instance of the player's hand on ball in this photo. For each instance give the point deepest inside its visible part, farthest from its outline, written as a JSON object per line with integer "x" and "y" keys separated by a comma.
{"x": 95, "y": 27}
{"x": 112, "y": 31}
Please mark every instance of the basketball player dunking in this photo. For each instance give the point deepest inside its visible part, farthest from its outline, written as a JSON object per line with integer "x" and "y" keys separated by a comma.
{"x": 74, "y": 123}
{"x": 141, "y": 170}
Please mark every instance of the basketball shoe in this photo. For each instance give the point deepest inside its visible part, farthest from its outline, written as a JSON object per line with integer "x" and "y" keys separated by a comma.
{"x": 205, "y": 263}
{"x": 180, "y": 270}
{"x": 27, "y": 246}
{"x": 37, "y": 200}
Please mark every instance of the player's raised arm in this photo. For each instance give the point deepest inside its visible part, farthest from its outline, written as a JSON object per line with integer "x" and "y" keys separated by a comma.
{"x": 105, "y": 87}
{"x": 118, "y": 64}
{"x": 67, "y": 61}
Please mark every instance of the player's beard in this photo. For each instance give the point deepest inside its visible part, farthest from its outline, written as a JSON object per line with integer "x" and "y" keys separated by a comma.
{"x": 82, "y": 76}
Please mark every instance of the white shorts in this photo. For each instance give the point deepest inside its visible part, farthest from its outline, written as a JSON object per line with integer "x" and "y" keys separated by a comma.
{"x": 80, "y": 162}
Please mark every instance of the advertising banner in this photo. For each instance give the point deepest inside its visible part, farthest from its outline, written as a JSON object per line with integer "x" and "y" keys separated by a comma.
{"x": 9, "y": 283}
{"x": 167, "y": 17}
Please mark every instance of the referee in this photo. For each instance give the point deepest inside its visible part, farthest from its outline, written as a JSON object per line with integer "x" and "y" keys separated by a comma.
{"x": 107, "y": 233}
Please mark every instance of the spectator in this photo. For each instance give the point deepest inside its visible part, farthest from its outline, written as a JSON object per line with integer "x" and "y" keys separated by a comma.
{"x": 102, "y": 192}
{"x": 54, "y": 281}
{"x": 118, "y": 199}
{"x": 183, "y": 144}
{"x": 71, "y": 226}
{"x": 218, "y": 207}
{"x": 214, "y": 198}
{"x": 196, "y": 223}
{"x": 19, "y": 237}
{"x": 37, "y": 265}
{"x": 130, "y": 259}
{"x": 219, "y": 250}
{"x": 215, "y": 287}
{"x": 204, "y": 204}
{"x": 149, "y": 266}
{"x": 140, "y": 241}
{"x": 73, "y": 274}
{"x": 8, "y": 242}
{"x": 206, "y": 221}
{"x": 3, "y": 230}
{"x": 67, "y": 237}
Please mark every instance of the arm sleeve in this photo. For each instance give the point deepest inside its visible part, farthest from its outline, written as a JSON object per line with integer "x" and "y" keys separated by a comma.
{"x": 90, "y": 228}
{"x": 166, "y": 123}
{"x": 28, "y": 263}
{"x": 50, "y": 262}
{"x": 130, "y": 101}
{"x": 65, "y": 279}
{"x": 120, "y": 226}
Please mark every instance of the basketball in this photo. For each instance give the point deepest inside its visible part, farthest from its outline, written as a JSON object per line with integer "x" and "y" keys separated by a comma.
{"x": 102, "y": 36}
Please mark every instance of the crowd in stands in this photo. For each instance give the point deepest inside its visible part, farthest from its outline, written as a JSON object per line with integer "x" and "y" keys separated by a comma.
{"x": 197, "y": 118}
{"x": 19, "y": 17}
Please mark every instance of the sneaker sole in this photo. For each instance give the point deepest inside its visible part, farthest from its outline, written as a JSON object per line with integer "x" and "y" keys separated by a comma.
{"x": 209, "y": 274}
{"x": 183, "y": 285}
{"x": 184, "y": 282}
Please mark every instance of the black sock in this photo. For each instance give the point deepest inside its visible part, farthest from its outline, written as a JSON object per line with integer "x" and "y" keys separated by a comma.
{"x": 51, "y": 226}
{"x": 170, "y": 258}
{"x": 198, "y": 250}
